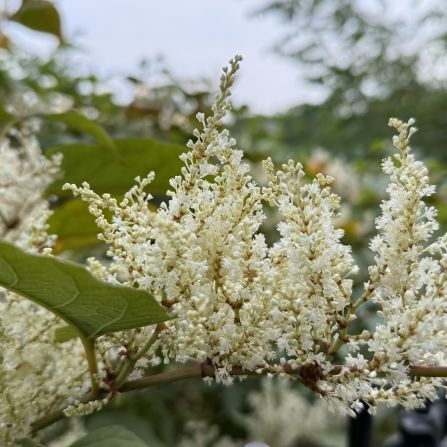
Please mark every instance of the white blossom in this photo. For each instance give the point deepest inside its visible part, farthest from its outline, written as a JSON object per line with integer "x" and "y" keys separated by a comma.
{"x": 238, "y": 305}
{"x": 24, "y": 175}
{"x": 37, "y": 374}
{"x": 200, "y": 254}
{"x": 281, "y": 417}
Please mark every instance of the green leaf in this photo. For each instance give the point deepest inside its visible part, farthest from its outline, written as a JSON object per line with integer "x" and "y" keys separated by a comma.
{"x": 65, "y": 333}
{"x": 115, "y": 175}
{"x": 80, "y": 122}
{"x": 68, "y": 290}
{"x": 111, "y": 436}
{"x": 74, "y": 226}
{"x": 39, "y": 15}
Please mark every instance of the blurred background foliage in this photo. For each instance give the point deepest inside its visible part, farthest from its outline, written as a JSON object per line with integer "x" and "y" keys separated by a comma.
{"x": 369, "y": 60}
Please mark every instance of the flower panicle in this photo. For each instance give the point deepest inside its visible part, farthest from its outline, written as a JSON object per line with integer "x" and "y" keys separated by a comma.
{"x": 241, "y": 304}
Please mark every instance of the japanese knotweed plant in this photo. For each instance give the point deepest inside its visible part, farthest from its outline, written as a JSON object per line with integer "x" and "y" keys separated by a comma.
{"x": 237, "y": 307}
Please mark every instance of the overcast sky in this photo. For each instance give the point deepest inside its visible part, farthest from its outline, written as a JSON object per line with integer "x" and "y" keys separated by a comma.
{"x": 196, "y": 37}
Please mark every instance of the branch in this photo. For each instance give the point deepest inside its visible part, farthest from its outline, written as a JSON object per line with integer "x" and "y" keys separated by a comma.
{"x": 56, "y": 416}
{"x": 343, "y": 334}
{"x": 201, "y": 370}
{"x": 207, "y": 370}
{"x": 428, "y": 371}
{"x": 197, "y": 371}
{"x": 129, "y": 363}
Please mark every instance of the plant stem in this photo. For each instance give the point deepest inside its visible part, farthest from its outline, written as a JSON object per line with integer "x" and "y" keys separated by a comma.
{"x": 207, "y": 370}
{"x": 129, "y": 363}
{"x": 164, "y": 377}
{"x": 343, "y": 334}
{"x": 56, "y": 416}
{"x": 89, "y": 346}
{"x": 428, "y": 371}
{"x": 196, "y": 371}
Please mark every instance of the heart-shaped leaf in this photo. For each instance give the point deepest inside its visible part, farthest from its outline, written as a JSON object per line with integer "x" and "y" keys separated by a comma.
{"x": 90, "y": 306}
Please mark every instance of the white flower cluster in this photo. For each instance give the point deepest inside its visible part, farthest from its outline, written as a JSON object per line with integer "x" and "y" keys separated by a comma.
{"x": 201, "y": 254}
{"x": 408, "y": 279}
{"x": 407, "y": 282}
{"x": 271, "y": 410}
{"x": 36, "y": 373}
{"x": 310, "y": 263}
{"x": 268, "y": 421}
{"x": 24, "y": 176}
{"x": 238, "y": 303}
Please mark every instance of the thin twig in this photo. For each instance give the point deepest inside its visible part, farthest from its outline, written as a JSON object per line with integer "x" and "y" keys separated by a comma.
{"x": 208, "y": 370}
